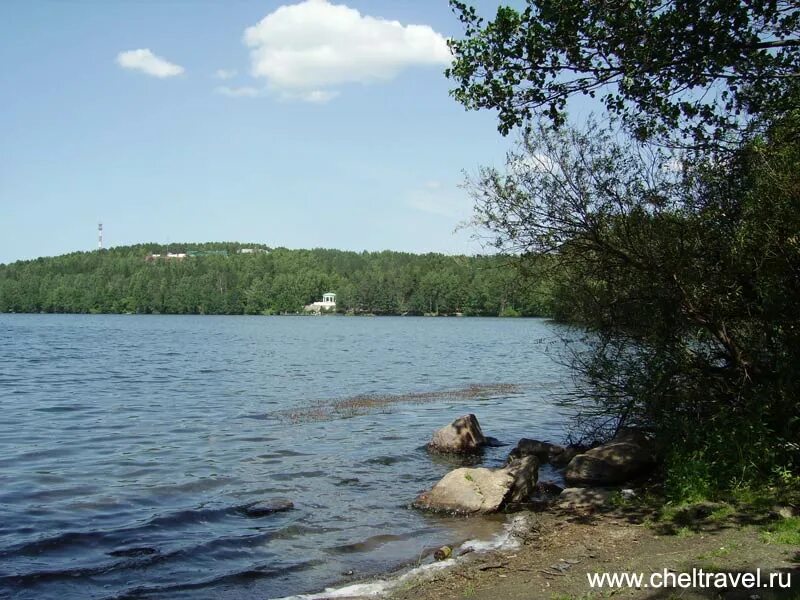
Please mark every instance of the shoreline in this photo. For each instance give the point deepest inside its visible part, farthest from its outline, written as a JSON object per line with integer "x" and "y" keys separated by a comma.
{"x": 383, "y": 585}
{"x": 549, "y": 554}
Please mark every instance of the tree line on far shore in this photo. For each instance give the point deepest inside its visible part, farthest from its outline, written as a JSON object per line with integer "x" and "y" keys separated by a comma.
{"x": 271, "y": 281}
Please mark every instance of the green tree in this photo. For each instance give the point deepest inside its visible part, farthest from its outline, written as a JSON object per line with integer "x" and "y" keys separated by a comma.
{"x": 698, "y": 67}
{"x": 685, "y": 278}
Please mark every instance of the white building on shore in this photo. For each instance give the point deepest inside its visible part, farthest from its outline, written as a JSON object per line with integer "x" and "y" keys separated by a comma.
{"x": 328, "y": 304}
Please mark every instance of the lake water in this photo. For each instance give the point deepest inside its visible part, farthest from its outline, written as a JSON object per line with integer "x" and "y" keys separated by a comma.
{"x": 129, "y": 444}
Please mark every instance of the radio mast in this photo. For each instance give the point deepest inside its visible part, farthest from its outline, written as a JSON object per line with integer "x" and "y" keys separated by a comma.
{"x": 99, "y": 236}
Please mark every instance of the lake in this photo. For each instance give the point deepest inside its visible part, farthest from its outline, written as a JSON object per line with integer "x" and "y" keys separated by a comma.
{"x": 129, "y": 445}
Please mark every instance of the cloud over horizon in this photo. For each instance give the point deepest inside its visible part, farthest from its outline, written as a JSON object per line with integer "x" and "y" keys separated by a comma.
{"x": 145, "y": 61}
{"x": 303, "y": 50}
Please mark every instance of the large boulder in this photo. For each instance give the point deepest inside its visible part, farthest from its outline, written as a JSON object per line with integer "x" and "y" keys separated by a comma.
{"x": 481, "y": 490}
{"x": 609, "y": 464}
{"x": 462, "y": 436}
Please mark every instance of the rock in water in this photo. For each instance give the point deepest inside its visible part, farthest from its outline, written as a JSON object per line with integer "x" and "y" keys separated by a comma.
{"x": 468, "y": 490}
{"x": 462, "y": 436}
{"x": 267, "y": 507}
{"x": 609, "y": 464}
{"x": 481, "y": 490}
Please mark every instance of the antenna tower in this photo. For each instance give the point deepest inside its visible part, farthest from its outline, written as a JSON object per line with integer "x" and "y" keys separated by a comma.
{"x": 99, "y": 236}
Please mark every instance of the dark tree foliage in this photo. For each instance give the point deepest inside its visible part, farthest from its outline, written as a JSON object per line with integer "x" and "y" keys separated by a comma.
{"x": 687, "y": 276}
{"x": 690, "y": 69}
{"x": 273, "y": 281}
{"x": 683, "y": 268}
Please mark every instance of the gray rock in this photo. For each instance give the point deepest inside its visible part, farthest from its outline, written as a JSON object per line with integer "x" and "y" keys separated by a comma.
{"x": 548, "y": 488}
{"x": 481, "y": 490}
{"x": 582, "y": 498}
{"x": 561, "y": 456}
{"x": 264, "y": 508}
{"x": 546, "y": 452}
{"x": 632, "y": 435}
{"x": 528, "y": 447}
{"x": 462, "y": 436}
{"x": 609, "y": 464}
{"x": 526, "y": 473}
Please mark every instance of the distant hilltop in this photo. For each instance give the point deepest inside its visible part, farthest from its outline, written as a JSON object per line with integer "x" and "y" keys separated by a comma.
{"x": 198, "y": 253}
{"x": 237, "y": 278}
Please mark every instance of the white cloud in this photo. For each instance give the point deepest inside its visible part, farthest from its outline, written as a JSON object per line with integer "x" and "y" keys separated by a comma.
{"x": 238, "y": 92}
{"x": 225, "y": 74}
{"x": 305, "y": 49}
{"x": 145, "y": 61}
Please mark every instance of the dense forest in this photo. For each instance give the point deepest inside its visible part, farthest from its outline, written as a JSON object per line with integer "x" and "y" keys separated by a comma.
{"x": 219, "y": 279}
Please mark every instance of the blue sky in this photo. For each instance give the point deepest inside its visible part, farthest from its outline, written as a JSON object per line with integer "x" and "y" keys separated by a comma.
{"x": 209, "y": 133}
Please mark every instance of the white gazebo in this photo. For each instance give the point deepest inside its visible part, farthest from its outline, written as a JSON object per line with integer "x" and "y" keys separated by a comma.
{"x": 328, "y": 303}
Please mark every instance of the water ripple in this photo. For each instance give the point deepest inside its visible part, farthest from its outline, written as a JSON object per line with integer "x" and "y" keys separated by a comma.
{"x": 130, "y": 444}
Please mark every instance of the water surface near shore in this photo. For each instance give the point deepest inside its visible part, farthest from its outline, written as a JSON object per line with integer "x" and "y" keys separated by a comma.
{"x": 130, "y": 444}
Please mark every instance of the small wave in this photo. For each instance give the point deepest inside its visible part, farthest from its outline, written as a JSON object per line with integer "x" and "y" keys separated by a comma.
{"x": 254, "y": 573}
{"x": 369, "y": 544}
{"x": 172, "y": 520}
{"x": 23, "y": 580}
{"x": 386, "y": 460}
{"x": 196, "y": 485}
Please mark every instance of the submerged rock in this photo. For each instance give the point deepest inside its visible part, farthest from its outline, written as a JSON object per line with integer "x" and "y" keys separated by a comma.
{"x": 481, "y": 490}
{"x": 609, "y": 464}
{"x": 264, "y": 508}
{"x": 462, "y": 436}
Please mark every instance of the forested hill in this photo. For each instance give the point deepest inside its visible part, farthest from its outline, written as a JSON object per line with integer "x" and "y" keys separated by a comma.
{"x": 219, "y": 278}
